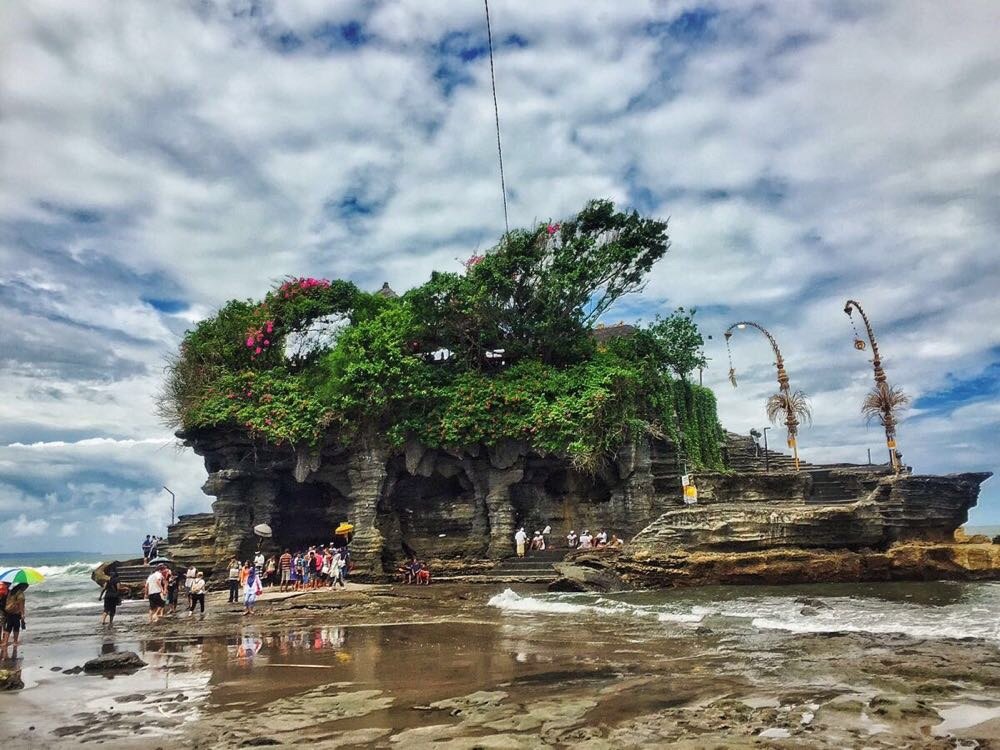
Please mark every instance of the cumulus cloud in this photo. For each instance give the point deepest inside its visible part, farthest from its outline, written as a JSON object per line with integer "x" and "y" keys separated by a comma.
{"x": 21, "y": 526}
{"x": 161, "y": 158}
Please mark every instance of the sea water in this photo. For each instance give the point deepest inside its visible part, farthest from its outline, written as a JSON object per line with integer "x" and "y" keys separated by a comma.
{"x": 926, "y": 609}
{"x": 67, "y": 595}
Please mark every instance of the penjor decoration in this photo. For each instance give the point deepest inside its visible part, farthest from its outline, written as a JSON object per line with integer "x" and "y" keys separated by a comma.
{"x": 883, "y": 401}
{"x": 785, "y": 405}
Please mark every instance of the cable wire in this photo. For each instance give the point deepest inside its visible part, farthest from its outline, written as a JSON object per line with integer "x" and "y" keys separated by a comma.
{"x": 496, "y": 112}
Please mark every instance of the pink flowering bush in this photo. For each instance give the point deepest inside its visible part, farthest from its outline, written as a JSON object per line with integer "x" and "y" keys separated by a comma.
{"x": 295, "y": 287}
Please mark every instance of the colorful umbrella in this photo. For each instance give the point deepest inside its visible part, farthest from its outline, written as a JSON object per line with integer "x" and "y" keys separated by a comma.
{"x": 344, "y": 528}
{"x": 14, "y": 576}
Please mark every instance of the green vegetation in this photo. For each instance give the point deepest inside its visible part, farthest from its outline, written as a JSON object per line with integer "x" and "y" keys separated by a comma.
{"x": 504, "y": 350}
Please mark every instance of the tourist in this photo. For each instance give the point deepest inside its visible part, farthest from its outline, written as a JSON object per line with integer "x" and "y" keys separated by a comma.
{"x": 271, "y": 574}
{"x": 296, "y": 574}
{"x": 190, "y": 575}
{"x": 345, "y": 561}
{"x": 154, "y": 546}
{"x": 317, "y": 569}
{"x": 253, "y": 590}
{"x": 586, "y": 539}
{"x": 519, "y": 539}
{"x": 601, "y": 540}
{"x": 326, "y": 567}
{"x": 424, "y": 575}
{"x": 197, "y": 593}
{"x": 258, "y": 561}
{"x": 538, "y": 542}
{"x": 337, "y": 565}
{"x": 244, "y": 575}
{"x": 300, "y": 570}
{"x": 572, "y": 540}
{"x": 154, "y": 590}
{"x": 285, "y": 569}
{"x": 147, "y": 545}
{"x": 174, "y": 583}
{"x": 234, "y": 580}
{"x": 616, "y": 541}
{"x": 13, "y": 619}
{"x": 415, "y": 566}
{"x": 111, "y": 595}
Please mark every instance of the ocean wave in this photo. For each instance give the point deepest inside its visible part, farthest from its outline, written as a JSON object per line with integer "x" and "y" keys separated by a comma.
{"x": 844, "y": 614}
{"x": 80, "y": 605}
{"x": 511, "y": 601}
{"x": 72, "y": 569}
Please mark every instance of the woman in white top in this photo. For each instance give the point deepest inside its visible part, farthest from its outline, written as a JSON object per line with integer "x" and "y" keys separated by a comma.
{"x": 198, "y": 593}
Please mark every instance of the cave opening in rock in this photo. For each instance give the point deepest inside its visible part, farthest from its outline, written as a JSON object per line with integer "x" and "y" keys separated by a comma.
{"x": 561, "y": 498}
{"x": 306, "y": 514}
{"x": 436, "y": 516}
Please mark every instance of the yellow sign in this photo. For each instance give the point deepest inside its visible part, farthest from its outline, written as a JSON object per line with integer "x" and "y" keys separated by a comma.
{"x": 891, "y": 443}
{"x": 690, "y": 491}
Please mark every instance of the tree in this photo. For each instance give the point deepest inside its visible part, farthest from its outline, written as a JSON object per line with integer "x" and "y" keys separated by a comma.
{"x": 538, "y": 292}
{"x": 678, "y": 343}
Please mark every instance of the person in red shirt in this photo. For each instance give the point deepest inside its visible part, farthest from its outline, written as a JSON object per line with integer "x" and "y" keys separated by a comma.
{"x": 285, "y": 568}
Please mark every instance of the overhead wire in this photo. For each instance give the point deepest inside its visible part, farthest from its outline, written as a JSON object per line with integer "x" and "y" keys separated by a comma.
{"x": 496, "y": 112}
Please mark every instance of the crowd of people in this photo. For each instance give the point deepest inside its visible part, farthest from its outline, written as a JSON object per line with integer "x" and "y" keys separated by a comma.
{"x": 162, "y": 589}
{"x": 539, "y": 540}
{"x": 586, "y": 540}
{"x": 416, "y": 572}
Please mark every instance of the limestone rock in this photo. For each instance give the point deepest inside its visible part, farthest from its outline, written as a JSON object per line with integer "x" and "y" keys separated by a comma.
{"x": 10, "y": 679}
{"x": 586, "y": 577}
{"x": 118, "y": 661}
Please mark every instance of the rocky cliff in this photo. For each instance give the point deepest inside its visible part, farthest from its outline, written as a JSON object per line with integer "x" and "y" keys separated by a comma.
{"x": 463, "y": 507}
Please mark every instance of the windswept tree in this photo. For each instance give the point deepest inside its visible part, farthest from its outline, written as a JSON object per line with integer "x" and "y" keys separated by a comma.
{"x": 539, "y": 291}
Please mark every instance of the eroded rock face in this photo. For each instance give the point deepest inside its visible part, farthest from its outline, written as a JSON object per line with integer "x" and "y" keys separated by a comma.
{"x": 447, "y": 505}
{"x": 759, "y": 512}
{"x": 463, "y": 506}
{"x": 903, "y": 561}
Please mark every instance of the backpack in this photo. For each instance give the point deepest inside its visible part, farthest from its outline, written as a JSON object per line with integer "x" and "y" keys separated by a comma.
{"x": 4, "y": 590}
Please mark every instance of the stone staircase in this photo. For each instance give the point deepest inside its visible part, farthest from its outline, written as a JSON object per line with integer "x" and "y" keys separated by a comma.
{"x": 666, "y": 467}
{"x": 743, "y": 455}
{"x": 535, "y": 565}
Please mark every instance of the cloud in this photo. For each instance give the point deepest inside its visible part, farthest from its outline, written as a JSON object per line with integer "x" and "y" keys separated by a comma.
{"x": 162, "y": 159}
{"x": 21, "y": 526}
{"x": 71, "y": 529}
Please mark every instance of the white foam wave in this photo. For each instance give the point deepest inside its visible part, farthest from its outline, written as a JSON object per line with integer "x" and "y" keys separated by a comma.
{"x": 80, "y": 605}
{"x": 511, "y": 601}
{"x": 72, "y": 569}
{"x": 844, "y": 614}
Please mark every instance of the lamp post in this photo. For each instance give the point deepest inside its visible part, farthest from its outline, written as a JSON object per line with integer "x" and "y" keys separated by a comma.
{"x": 173, "y": 503}
{"x": 785, "y": 401}
{"x": 884, "y": 399}
{"x": 767, "y": 458}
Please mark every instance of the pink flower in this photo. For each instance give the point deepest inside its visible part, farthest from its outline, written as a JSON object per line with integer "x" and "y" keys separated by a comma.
{"x": 552, "y": 228}
{"x": 266, "y": 342}
{"x": 257, "y": 350}
{"x": 270, "y": 326}
{"x": 249, "y": 340}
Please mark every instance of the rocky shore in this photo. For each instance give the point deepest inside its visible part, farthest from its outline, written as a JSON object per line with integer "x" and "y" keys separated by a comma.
{"x": 438, "y": 667}
{"x": 631, "y": 568}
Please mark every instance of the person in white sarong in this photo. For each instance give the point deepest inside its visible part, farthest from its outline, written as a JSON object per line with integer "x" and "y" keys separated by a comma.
{"x": 520, "y": 539}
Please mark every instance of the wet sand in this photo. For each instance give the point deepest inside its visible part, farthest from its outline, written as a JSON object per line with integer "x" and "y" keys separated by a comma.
{"x": 437, "y": 667}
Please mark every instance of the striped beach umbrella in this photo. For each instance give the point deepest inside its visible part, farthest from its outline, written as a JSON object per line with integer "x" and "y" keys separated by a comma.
{"x": 14, "y": 576}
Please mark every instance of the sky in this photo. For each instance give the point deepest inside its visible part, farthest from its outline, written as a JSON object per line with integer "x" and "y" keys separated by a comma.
{"x": 157, "y": 159}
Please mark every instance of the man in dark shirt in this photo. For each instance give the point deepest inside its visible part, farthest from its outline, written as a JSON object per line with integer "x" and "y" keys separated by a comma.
{"x": 146, "y": 545}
